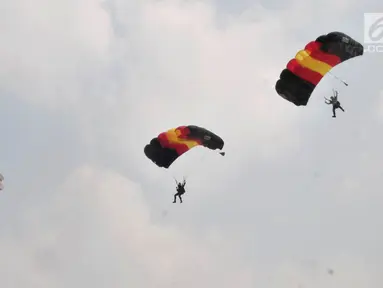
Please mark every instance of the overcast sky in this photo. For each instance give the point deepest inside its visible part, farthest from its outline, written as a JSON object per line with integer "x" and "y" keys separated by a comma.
{"x": 85, "y": 84}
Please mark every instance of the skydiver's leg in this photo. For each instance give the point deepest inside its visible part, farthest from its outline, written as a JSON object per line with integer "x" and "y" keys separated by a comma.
{"x": 179, "y": 196}
{"x": 175, "y": 197}
{"x": 341, "y": 108}
{"x": 333, "y": 111}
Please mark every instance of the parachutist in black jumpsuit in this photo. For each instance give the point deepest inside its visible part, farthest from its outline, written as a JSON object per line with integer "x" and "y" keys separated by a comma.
{"x": 334, "y": 102}
{"x": 180, "y": 191}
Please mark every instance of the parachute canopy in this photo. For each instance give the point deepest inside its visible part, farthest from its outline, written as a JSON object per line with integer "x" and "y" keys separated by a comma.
{"x": 304, "y": 72}
{"x": 168, "y": 146}
{"x": 1, "y": 182}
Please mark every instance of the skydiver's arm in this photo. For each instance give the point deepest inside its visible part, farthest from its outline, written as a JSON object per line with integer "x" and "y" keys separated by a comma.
{"x": 335, "y": 93}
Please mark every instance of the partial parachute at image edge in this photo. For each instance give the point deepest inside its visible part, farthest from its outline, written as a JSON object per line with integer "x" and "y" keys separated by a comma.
{"x": 1, "y": 181}
{"x": 168, "y": 146}
{"x": 303, "y": 73}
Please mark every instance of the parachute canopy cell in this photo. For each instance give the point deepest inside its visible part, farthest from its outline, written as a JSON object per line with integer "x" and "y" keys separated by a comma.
{"x": 168, "y": 146}
{"x": 304, "y": 72}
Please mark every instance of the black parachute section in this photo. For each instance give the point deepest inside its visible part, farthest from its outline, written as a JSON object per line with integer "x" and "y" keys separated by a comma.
{"x": 297, "y": 82}
{"x": 168, "y": 146}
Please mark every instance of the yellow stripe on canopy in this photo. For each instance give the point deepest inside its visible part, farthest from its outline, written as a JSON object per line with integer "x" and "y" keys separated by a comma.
{"x": 173, "y": 137}
{"x": 304, "y": 59}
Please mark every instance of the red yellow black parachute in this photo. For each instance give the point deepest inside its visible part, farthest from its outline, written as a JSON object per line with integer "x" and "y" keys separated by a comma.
{"x": 168, "y": 146}
{"x": 303, "y": 73}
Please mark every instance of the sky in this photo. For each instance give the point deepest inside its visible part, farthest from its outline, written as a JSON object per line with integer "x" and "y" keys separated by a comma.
{"x": 85, "y": 85}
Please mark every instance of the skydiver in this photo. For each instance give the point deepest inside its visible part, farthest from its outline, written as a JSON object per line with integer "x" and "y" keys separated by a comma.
{"x": 334, "y": 102}
{"x": 180, "y": 190}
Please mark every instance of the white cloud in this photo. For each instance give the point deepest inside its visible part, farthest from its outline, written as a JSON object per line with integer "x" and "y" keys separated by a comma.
{"x": 97, "y": 229}
{"x": 127, "y": 70}
{"x": 380, "y": 105}
{"x": 50, "y": 49}
{"x": 98, "y": 220}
